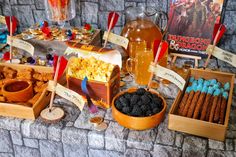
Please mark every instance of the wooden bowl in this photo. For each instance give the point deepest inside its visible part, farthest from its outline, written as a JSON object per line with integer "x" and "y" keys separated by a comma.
{"x": 138, "y": 123}
{"x": 17, "y": 90}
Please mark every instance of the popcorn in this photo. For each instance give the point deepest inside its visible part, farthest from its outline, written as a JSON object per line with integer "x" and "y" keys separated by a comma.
{"x": 94, "y": 69}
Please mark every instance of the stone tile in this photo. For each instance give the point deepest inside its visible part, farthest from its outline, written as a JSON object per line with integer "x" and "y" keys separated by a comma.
{"x": 230, "y": 22}
{"x": 10, "y": 123}
{"x": 114, "y": 5}
{"x": 130, "y": 4}
{"x": 12, "y": 2}
{"x": 39, "y": 16}
{"x": 165, "y": 136}
{"x": 38, "y": 129}
{"x": 212, "y": 64}
{"x": 136, "y": 153}
{"x": 89, "y": 12}
{"x": 25, "y": 1}
{"x": 218, "y": 153}
{"x": 194, "y": 146}
{"x": 115, "y": 137}
{"x": 71, "y": 113}
{"x": 25, "y": 127}
{"x": 141, "y": 139}
{"x": 235, "y": 144}
{"x": 32, "y": 143}
{"x": 213, "y": 144}
{"x": 39, "y": 4}
{"x": 103, "y": 20}
{"x": 231, "y": 134}
{"x": 6, "y": 7}
{"x": 72, "y": 135}
{"x": 179, "y": 138}
{"x": 16, "y": 137}
{"x": 50, "y": 148}
{"x": 228, "y": 43}
{"x": 169, "y": 91}
{"x": 232, "y": 119}
{"x": 103, "y": 153}
{"x": 166, "y": 151}
{"x": 75, "y": 150}
{"x": 54, "y": 132}
{"x": 231, "y": 5}
{"x": 5, "y": 142}
{"x": 158, "y": 4}
{"x": 21, "y": 151}
{"x": 83, "y": 120}
{"x": 96, "y": 139}
{"x": 6, "y": 155}
{"x": 117, "y": 30}
{"x": 229, "y": 144}
{"x": 24, "y": 15}
{"x": 108, "y": 115}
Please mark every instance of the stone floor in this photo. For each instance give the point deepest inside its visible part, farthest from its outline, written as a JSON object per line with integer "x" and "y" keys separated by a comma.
{"x": 75, "y": 137}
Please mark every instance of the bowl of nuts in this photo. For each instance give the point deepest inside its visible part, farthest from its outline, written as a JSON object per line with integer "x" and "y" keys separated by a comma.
{"x": 138, "y": 109}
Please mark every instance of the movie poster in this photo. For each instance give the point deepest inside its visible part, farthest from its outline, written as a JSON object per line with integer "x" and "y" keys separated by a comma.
{"x": 191, "y": 24}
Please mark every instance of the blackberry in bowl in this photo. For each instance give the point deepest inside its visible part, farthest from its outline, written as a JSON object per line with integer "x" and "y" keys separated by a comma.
{"x": 138, "y": 109}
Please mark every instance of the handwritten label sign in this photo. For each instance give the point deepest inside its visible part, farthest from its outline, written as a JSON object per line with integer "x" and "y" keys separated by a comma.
{"x": 116, "y": 39}
{"x": 167, "y": 74}
{"x": 21, "y": 44}
{"x": 222, "y": 55}
{"x": 67, "y": 94}
{"x": 2, "y": 19}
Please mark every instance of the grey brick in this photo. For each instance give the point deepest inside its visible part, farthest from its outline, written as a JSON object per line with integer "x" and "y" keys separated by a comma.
{"x": 179, "y": 140}
{"x": 25, "y": 127}
{"x": 16, "y": 137}
{"x": 216, "y": 144}
{"x": 6, "y": 7}
{"x": 230, "y": 22}
{"x": 103, "y": 153}
{"x": 33, "y": 143}
{"x": 10, "y": 123}
{"x": 74, "y": 136}
{"x": 115, "y": 137}
{"x": 50, "y": 148}
{"x": 103, "y": 19}
{"x": 114, "y": 5}
{"x": 229, "y": 144}
{"x": 130, "y": 4}
{"x": 166, "y": 151}
{"x": 21, "y": 151}
{"x": 6, "y": 155}
{"x": 136, "y": 153}
{"x": 231, "y": 134}
{"x": 12, "y": 2}
{"x": 39, "y": 4}
{"x": 141, "y": 139}
{"x": 194, "y": 147}
{"x": 5, "y": 142}
{"x": 89, "y": 12}
{"x": 39, "y": 16}
{"x": 38, "y": 130}
{"x": 218, "y": 153}
{"x": 96, "y": 139}
{"x": 25, "y": 1}
{"x": 75, "y": 150}
{"x": 231, "y": 5}
{"x": 54, "y": 132}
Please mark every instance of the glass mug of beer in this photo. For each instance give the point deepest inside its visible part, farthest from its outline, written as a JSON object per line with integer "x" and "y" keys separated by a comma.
{"x": 142, "y": 59}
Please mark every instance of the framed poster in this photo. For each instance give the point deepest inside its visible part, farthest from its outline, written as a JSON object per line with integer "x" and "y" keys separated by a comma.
{"x": 191, "y": 24}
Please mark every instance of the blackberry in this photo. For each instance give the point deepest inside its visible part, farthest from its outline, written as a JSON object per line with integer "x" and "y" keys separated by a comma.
{"x": 140, "y": 91}
{"x": 140, "y": 103}
{"x": 157, "y": 100}
{"x": 127, "y": 95}
{"x": 134, "y": 99}
{"x": 118, "y": 105}
{"x": 126, "y": 110}
{"x": 148, "y": 113}
{"x": 156, "y": 110}
{"x": 136, "y": 111}
{"x": 153, "y": 105}
{"x": 124, "y": 101}
{"x": 145, "y": 99}
{"x": 144, "y": 108}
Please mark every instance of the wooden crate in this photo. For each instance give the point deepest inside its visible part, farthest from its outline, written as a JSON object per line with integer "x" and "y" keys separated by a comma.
{"x": 99, "y": 91}
{"x": 19, "y": 111}
{"x": 198, "y": 127}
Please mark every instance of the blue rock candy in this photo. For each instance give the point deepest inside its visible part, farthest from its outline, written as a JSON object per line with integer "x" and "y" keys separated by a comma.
{"x": 217, "y": 92}
{"x": 222, "y": 90}
{"x": 206, "y": 83}
{"x": 194, "y": 83}
{"x": 194, "y": 87}
{"x": 200, "y": 81}
{"x": 213, "y": 81}
{"x": 199, "y": 87}
{"x": 216, "y": 86}
{"x": 227, "y": 86}
{"x": 191, "y": 79}
{"x": 204, "y": 89}
{"x": 210, "y": 90}
{"x": 225, "y": 95}
{"x": 188, "y": 89}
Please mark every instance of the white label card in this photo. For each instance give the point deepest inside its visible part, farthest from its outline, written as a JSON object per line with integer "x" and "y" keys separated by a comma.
{"x": 67, "y": 94}
{"x": 21, "y": 44}
{"x": 222, "y": 55}
{"x": 116, "y": 39}
{"x": 168, "y": 75}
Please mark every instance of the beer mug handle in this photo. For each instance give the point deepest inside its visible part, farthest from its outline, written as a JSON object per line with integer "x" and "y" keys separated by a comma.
{"x": 129, "y": 66}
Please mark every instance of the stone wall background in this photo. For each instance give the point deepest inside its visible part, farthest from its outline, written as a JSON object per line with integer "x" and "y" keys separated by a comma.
{"x": 95, "y": 12}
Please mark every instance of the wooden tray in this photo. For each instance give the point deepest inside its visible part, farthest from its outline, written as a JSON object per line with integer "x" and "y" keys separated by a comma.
{"x": 198, "y": 127}
{"x": 19, "y": 111}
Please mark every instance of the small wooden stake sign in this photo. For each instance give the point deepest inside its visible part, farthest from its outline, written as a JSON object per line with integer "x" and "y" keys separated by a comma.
{"x": 53, "y": 114}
